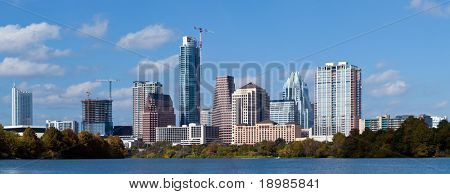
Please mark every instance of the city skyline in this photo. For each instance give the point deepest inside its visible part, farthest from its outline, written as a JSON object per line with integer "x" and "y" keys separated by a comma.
{"x": 391, "y": 86}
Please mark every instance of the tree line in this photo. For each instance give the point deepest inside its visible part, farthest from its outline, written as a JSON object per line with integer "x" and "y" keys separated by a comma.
{"x": 55, "y": 144}
{"x": 413, "y": 139}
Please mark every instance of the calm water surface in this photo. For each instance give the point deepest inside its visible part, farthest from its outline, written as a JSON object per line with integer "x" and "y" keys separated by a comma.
{"x": 229, "y": 166}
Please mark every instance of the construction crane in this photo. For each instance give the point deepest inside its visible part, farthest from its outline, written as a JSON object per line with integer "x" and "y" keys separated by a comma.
{"x": 200, "y": 42}
{"x": 110, "y": 81}
{"x": 200, "y": 30}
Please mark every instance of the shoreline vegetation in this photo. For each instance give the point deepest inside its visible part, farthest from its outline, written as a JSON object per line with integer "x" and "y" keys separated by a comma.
{"x": 55, "y": 144}
{"x": 413, "y": 140}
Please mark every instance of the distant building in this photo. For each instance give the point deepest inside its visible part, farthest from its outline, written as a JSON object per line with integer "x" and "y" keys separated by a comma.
{"x": 191, "y": 134}
{"x": 427, "y": 119}
{"x": 129, "y": 141}
{"x": 61, "y": 125}
{"x": 382, "y": 123}
{"x": 19, "y": 129}
{"x": 296, "y": 89}
{"x": 206, "y": 117}
{"x": 97, "y": 116}
{"x": 269, "y": 131}
{"x": 22, "y": 107}
{"x": 437, "y": 120}
{"x": 189, "y": 81}
{"x": 250, "y": 105}
{"x": 123, "y": 130}
{"x": 284, "y": 111}
{"x": 158, "y": 112}
{"x": 337, "y": 106}
{"x": 221, "y": 111}
{"x": 141, "y": 89}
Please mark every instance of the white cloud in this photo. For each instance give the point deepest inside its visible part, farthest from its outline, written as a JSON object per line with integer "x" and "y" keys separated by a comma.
{"x": 49, "y": 94}
{"x": 98, "y": 28}
{"x": 390, "y": 89}
{"x": 44, "y": 52}
{"x": 148, "y": 38}
{"x": 28, "y": 42}
{"x": 14, "y": 38}
{"x": 159, "y": 65}
{"x": 18, "y": 67}
{"x": 442, "y": 104}
{"x": 433, "y": 7}
{"x": 383, "y": 77}
{"x": 80, "y": 89}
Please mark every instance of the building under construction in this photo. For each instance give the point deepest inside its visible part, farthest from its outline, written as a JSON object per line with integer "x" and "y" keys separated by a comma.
{"x": 97, "y": 116}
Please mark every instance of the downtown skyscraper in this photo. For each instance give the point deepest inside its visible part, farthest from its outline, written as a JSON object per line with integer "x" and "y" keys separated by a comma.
{"x": 296, "y": 89}
{"x": 337, "y": 99}
{"x": 189, "y": 64}
{"x": 141, "y": 90}
{"x": 22, "y": 107}
{"x": 221, "y": 111}
{"x": 158, "y": 112}
{"x": 250, "y": 105}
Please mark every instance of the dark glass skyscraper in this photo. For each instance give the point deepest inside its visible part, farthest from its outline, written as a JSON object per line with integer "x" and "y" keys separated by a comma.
{"x": 189, "y": 81}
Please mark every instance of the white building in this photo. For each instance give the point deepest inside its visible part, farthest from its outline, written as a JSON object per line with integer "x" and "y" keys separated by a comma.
{"x": 437, "y": 120}
{"x": 206, "y": 117}
{"x": 20, "y": 129}
{"x": 250, "y": 105}
{"x": 22, "y": 107}
{"x": 191, "y": 134}
{"x": 141, "y": 89}
{"x": 61, "y": 125}
{"x": 337, "y": 99}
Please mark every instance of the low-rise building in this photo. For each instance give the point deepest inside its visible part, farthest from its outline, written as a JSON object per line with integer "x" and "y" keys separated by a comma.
{"x": 61, "y": 125}
{"x": 436, "y": 120}
{"x": 267, "y": 130}
{"x": 19, "y": 129}
{"x": 382, "y": 123}
{"x": 191, "y": 134}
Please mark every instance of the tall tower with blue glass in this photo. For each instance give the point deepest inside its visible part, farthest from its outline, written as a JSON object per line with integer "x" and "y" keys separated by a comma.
{"x": 189, "y": 81}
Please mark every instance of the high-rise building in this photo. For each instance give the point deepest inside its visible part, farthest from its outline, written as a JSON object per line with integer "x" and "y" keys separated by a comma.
{"x": 206, "y": 117}
{"x": 62, "y": 125}
{"x": 250, "y": 105}
{"x": 22, "y": 107}
{"x": 284, "y": 111}
{"x": 437, "y": 120}
{"x": 141, "y": 89}
{"x": 191, "y": 134}
{"x": 189, "y": 81}
{"x": 158, "y": 112}
{"x": 97, "y": 116}
{"x": 265, "y": 131}
{"x": 221, "y": 112}
{"x": 337, "y": 99}
{"x": 296, "y": 89}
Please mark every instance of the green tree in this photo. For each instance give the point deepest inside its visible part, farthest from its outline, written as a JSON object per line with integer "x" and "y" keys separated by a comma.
{"x": 30, "y": 146}
{"x": 338, "y": 145}
{"x": 52, "y": 141}
{"x": 117, "y": 149}
{"x": 8, "y": 144}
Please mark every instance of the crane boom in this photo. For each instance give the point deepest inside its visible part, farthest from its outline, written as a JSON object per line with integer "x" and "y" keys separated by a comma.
{"x": 110, "y": 85}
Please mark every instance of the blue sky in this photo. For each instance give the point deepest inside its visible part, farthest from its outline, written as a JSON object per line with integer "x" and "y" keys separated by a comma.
{"x": 57, "y": 49}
